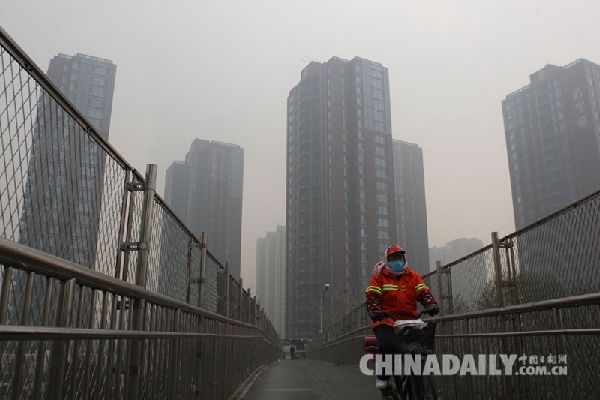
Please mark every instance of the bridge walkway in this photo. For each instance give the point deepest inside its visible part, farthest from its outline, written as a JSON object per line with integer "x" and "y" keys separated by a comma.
{"x": 312, "y": 380}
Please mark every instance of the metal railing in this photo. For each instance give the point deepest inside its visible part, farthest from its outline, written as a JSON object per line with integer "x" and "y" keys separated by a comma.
{"x": 557, "y": 328}
{"x": 532, "y": 292}
{"x": 68, "y": 196}
{"x": 92, "y": 341}
{"x": 557, "y": 256}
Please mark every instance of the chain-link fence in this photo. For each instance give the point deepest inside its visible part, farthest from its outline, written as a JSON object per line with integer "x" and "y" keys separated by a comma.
{"x": 533, "y": 292}
{"x": 556, "y": 257}
{"x": 66, "y": 192}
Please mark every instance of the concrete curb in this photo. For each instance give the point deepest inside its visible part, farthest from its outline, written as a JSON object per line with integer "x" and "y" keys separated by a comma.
{"x": 247, "y": 384}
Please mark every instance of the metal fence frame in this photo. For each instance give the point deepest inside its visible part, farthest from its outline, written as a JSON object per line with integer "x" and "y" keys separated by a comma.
{"x": 569, "y": 326}
{"x": 149, "y": 279}
{"x": 200, "y": 353}
{"x": 490, "y": 305}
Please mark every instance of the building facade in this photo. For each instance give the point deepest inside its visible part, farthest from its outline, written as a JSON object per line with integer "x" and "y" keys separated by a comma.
{"x": 411, "y": 206}
{"x": 205, "y": 192}
{"x": 63, "y": 193}
{"x": 89, "y": 83}
{"x": 177, "y": 188}
{"x": 270, "y": 277}
{"x": 453, "y": 250}
{"x": 552, "y": 132}
{"x": 341, "y": 203}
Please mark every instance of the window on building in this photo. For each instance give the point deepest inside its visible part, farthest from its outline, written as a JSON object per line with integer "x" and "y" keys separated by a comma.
{"x": 383, "y": 186}
{"x": 380, "y": 162}
{"x": 383, "y": 210}
{"x": 383, "y": 235}
{"x": 381, "y": 173}
{"x": 383, "y": 222}
{"x": 381, "y": 198}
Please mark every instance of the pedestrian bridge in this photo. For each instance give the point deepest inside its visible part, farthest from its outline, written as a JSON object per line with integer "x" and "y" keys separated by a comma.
{"x": 106, "y": 294}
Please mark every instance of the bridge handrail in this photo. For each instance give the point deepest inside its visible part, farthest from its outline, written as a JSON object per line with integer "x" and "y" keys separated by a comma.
{"x": 32, "y": 260}
{"x": 565, "y": 302}
{"x": 186, "y": 339}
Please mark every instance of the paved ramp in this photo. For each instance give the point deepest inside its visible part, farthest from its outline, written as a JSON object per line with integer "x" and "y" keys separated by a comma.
{"x": 312, "y": 380}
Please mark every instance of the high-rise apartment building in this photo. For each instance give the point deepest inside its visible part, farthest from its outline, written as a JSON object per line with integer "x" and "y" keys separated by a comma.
{"x": 270, "y": 276}
{"x": 89, "y": 82}
{"x": 63, "y": 193}
{"x": 453, "y": 250}
{"x": 177, "y": 188}
{"x": 411, "y": 208}
{"x": 205, "y": 192}
{"x": 552, "y": 131}
{"x": 341, "y": 203}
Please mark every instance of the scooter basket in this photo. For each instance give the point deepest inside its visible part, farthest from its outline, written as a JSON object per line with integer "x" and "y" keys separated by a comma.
{"x": 418, "y": 341}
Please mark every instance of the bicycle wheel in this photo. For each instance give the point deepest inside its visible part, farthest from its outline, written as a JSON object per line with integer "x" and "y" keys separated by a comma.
{"x": 406, "y": 388}
{"x": 390, "y": 393}
{"x": 430, "y": 391}
{"x": 415, "y": 387}
{"x": 422, "y": 388}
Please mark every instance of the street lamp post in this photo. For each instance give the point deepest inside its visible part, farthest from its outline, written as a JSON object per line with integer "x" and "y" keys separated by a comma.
{"x": 322, "y": 295}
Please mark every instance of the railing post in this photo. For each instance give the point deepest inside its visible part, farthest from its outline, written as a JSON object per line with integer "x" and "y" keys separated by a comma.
{"x": 188, "y": 296}
{"x": 226, "y": 299}
{"x": 5, "y": 296}
{"x": 249, "y": 306}
{"x": 510, "y": 249}
{"x": 438, "y": 269}
{"x": 122, "y": 223}
{"x": 500, "y": 302}
{"x": 139, "y": 305}
{"x": 256, "y": 312}
{"x": 498, "y": 268}
{"x": 558, "y": 322}
{"x": 131, "y": 187}
{"x": 59, "y": 353}
{"x": 146, "y": 225}
{"x": 202, "y": 280}
{"x": 241, "y": 316}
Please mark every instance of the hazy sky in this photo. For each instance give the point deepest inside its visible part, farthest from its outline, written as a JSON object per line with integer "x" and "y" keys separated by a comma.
{"x": 222, "y": 70}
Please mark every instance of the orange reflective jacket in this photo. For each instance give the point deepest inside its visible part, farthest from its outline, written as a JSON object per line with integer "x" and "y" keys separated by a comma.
{"x": 396, "y": 295}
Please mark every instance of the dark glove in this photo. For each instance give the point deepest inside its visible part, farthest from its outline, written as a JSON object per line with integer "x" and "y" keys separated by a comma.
{"x": 377, "y": 316}
{"x": 432, "y": 309}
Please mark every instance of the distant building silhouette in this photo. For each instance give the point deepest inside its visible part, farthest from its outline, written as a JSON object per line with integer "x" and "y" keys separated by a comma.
{"x": 63, "y": 191}
{"x": 411, "y": 207}
{"x": 177, "y": 188}
{"x": 465, "y": 282}
{"x": 341, "y": 189}
{"x": 552, "y": 131}
{"x": 270, "y": 276}
{"x": 205, "y": 192}
{"x": 453, "y": 250}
